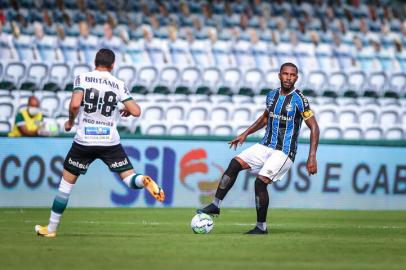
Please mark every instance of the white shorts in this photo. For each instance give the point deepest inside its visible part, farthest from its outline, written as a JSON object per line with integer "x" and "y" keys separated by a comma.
{"x": 266, "y": 161}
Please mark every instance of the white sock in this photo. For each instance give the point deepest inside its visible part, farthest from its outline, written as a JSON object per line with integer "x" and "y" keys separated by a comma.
{"x": 261, "y": 225}
{"x": 54, "y": 220}
{"x": 64, "y": 191}
{"x": 134, "y": 181}
{"x": 217, "y": 202}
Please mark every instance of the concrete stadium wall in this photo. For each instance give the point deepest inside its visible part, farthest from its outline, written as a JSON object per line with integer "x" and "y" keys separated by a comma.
{"x": 349, "y": 177}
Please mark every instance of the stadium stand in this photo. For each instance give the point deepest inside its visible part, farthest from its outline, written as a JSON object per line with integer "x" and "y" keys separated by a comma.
{"x": 202, "y": 67}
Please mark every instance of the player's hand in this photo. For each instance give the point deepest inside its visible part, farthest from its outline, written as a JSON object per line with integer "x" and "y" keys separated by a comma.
{"x": 237, "y": 140}
{"x": 68, "y": 125}
{"x": 311, "y": 165}
{"x": 125, "y": 113}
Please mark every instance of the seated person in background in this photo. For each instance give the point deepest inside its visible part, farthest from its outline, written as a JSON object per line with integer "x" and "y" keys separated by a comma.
{"x": 28, "y": 121}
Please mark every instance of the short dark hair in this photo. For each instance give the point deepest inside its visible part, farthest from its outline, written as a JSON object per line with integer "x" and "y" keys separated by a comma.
{"x": 289, "y": 65}
{"x": 104, "y": 58}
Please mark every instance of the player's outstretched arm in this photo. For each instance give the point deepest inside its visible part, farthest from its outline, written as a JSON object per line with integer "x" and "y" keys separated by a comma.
{"x": 260, "y": 123}
{"x": 74, "y": 106}
{"x": 314, "y": 142}
{"x": 132, "y": 107}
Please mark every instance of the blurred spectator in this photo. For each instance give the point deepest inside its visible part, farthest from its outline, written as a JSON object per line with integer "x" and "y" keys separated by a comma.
{"x": 137, "y": 52}
{"x": 242, "y": 50}
{"x": 23, "y": 45}
{"x": 363, "y": 56}
{"x": 156, "y": 49}
{"x": 178, "y": 49}
{"x": 88, "y": 44}
{"x": 263, "y": 59}
{"x": 28, "y": 120}
{"x": 342, "y": 52}
{"x": 200, "y": 50}
{"x": 400, "y": 55}
{"x": 7, "y": 51}
{"x": 221, "y": 50}
{"x": 109, "y": 41}
{"x": 68, "y": 46}
{"x": 326, "y": 60}
{"x": 46, "y": 46}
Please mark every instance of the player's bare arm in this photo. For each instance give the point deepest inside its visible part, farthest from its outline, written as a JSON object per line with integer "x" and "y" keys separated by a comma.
{"x": 314, "y": 142}
{"x": 260, "y": 123}
{"x": 74, "y": 107}
{"x": 131, "y": 108}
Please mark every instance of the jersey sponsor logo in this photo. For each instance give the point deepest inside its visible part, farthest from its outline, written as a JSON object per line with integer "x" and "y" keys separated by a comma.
{"x": 119, "y": 164}
{"x": 97, "y": 122}
{"x": 280, "y": 117}
{"x": 97, "y": 131}
{"x": 101, "y": 81}
{"x": 77, "y": 164}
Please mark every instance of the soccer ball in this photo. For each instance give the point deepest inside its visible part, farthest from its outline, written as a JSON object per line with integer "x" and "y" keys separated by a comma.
{"x": 202, "y": 223}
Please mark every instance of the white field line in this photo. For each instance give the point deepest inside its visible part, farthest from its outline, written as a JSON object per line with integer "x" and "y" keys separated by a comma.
{"x": 155, "y": 223}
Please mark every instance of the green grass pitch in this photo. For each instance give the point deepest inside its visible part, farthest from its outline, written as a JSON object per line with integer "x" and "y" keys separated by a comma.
{"x": 133, "y": 238}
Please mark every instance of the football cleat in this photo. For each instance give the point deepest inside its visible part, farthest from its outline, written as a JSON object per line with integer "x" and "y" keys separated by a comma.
{"x": 43, "y": 231}
{"x": 257, "y": 230}
{"x": 211, "y": 210}
{"x": 156, "y": 191}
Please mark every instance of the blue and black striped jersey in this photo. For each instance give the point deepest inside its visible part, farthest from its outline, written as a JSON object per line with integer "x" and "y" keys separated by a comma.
{"x": 285, "y": 119}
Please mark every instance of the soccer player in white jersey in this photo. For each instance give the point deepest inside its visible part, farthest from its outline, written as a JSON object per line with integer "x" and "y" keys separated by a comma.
{"x": 286, "y": 107}
{"x": 94, "y": 102}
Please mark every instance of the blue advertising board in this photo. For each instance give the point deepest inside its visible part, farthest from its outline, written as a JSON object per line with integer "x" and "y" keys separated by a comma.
{"x": 349, "y": 177}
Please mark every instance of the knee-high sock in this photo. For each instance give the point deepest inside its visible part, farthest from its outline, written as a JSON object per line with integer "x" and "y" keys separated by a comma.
{"x": 261, "y": 202}
{"x": 227, "y": 181}
{"x": 59, "y": 205}
{"x": 134, "y": 181}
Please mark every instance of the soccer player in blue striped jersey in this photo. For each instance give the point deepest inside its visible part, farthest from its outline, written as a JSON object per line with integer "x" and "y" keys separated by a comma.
{"x": 271, "y": 159}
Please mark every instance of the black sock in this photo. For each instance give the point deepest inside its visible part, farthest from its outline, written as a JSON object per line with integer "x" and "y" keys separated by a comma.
{"x": 228, "y": 179}
{"x": 261, "y": 200}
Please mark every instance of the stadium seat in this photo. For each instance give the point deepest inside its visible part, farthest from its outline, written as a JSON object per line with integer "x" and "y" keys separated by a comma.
{"x": 188, "y": 81}
{"x": 252, "y": 82}
{"x": 389, "y": 117}
{"x": 211, "y": 79}
{"x": 327, "y": 114}
{"x": 348, "y": 116}
{"x": 50, "y": 106}
{"x": 6, "y": 110}
{"x": 353, "y": 133}
{"x": 5, "y": 126}
{"x": 200, "y": 129}
{"x": 368, "y": 115}
{"x": 58, "y": 77}
{"x": 126, "y": 74}
{"x": 231, "y": 82}
{"x": 331, "y": 132}
{"x": 317, "y": 81}
{"x": 153, "y": 112}
{"x": 198, "y": 113}
{"x": 178, "y": 130}
{"x": 220, "y": 113}
{"x": 13, "y": 75}
{"x": 36, "y": 75}
{"x": 397, "y": 84}
{"x": 241, "y": 114}
{"x": 395, "y": 133}
{"x": 271, "y": 80}
{"x": 356, "y": 83}
{"x": 222, "y": 130}
{"x": 146, "y": 78}
{"x": 337, "y": 83}
{"x": 176, "y": 112}
{"x": 377, "y": 82}
{"x": 373, "y": 133}
{"x": 167, "y": 80}
{"x": 153, "y": 128}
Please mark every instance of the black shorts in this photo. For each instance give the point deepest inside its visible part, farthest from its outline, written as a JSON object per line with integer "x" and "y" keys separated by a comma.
{"x": 79, "y": 158}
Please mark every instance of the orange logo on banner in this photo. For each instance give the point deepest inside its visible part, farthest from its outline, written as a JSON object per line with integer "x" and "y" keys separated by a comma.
{"x": 193, "y": 162}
